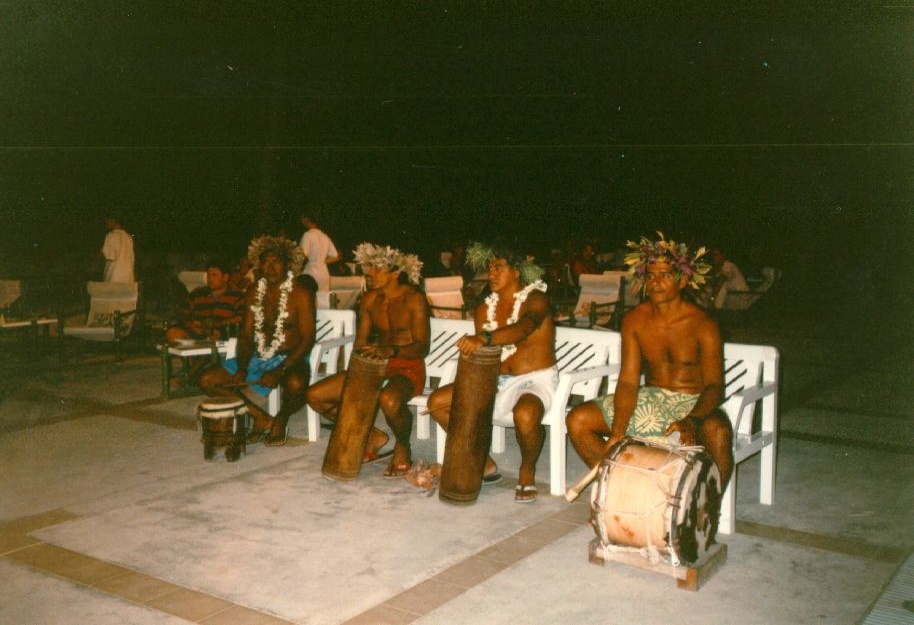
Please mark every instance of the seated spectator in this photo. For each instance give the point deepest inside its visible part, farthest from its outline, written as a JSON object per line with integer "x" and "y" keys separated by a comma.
{"x": 726, "y": 277}
{"x": 584, "y": 262}
{"x": 209, "y": 310}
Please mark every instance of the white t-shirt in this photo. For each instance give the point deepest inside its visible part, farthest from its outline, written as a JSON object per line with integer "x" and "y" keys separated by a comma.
{"x": 118, "y": 253}
{"x": 317, "y": 246}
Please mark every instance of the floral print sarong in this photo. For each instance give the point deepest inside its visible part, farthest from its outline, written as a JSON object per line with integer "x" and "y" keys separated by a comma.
{"x": 655, "y": 410}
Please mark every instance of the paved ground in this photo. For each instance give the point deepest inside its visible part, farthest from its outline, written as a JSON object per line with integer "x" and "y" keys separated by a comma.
{"x": 109, "y": 515}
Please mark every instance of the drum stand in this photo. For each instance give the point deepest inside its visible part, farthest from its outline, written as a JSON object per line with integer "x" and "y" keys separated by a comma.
{"x": 689, "y": 576}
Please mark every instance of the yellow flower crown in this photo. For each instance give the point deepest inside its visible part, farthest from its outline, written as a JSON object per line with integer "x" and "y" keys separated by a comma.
{"x": 368, "y": 254}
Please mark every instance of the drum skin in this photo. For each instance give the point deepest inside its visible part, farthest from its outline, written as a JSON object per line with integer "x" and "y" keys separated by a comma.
{"x": 470, "y": 426}
{"x": 358, "y": 407}
{"x": 222, "y": 423}
{"x": 650, "y": 495}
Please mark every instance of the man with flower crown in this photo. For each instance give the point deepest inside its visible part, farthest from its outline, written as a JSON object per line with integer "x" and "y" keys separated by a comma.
{"x": 680, "y": 347}
{"x": 393, "y": 324}
{"x": 276, "y": 336}
{"x": 517, "y": 316}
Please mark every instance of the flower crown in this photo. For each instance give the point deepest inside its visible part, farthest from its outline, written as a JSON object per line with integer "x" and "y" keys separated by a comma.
{"x": 377, "y": 256}
{"x": 674, "y": 254}
{"x": 479, "y": 255}
{"x": 288, "y": 250}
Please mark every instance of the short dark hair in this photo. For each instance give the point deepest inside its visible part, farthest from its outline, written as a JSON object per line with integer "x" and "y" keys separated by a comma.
{"x": 504, "y": 249}
{"x": 221, "y": 264}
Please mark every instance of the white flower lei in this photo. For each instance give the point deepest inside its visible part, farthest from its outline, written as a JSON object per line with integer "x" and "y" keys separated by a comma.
{"x": 279, "y": 333}
{"x": 519, "y": 298}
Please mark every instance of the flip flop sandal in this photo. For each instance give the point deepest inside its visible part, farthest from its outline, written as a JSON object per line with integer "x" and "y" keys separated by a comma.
{"x": 521, "y": 491}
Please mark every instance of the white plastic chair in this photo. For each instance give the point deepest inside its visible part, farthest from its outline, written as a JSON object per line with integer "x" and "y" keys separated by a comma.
{"x": 445, "y": 297}
{"x": 192, "y": 279}
{"x": 112, "y": 313}
{"x": 347, "y": 289}
{"x": 597, "y": 300}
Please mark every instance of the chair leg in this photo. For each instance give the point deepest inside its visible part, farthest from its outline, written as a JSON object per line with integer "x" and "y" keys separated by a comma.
{"x": 766, "y": 488}
{"x": 423, "y": 429}
{"x": 727, "y": 523}
{"x": 498, "y": 439}
{"x": 440, "y": 439}
{"x": 314, "y": 423}
{"x": 557, "y": 460}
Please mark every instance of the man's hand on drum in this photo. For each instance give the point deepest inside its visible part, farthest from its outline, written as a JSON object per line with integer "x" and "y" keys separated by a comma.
{"x": 687, "y": 430}
{"x": 376, "y": 352}
{"x": 272, "y": 378}
{"x": 468, "y": 344}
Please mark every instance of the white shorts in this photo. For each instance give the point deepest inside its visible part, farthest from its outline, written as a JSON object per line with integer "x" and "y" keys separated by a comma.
{"x": 541, "y": 383}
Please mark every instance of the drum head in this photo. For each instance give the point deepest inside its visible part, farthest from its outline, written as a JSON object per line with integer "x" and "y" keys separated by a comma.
{"x": 694, "y": 525}
{"x": 221, "y": 407}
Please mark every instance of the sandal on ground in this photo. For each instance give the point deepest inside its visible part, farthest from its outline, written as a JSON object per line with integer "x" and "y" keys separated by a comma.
{"x": 277, "y": 441}
{"x": 397, "y": 470}
{"x": 524, "y": 493}
{"x": 492, "y": 478}
{"x": 377, "y": 455}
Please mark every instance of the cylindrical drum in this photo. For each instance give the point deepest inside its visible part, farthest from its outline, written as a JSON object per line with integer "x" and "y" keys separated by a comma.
{"x": 222, "y": 422}
{"x": 358, "y": 406}
{"x": 469, "y": 431}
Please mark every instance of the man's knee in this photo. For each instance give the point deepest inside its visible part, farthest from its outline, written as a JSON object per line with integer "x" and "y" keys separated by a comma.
{"x": 716, "y": 429}
{"x": 393, "y": 398}
{"x": 528, "y": 413}
{"x": 583, "y": 419}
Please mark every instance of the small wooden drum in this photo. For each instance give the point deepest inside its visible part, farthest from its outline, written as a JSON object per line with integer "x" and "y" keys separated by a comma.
{"x": 656, "y": 499}
{"x": 223, "y": 422}
{"x": 470, "y": 426}
{"x": 358, "y": 407}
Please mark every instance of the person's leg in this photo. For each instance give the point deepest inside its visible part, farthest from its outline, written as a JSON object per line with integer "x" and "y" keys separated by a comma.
{"x": 588, "y": 431}
{"x": 393, "y": 400}
{"x": 528, "y": 424}
{"x": 214, "y": 380}
{"x": 716, "y": 435}
{"x": 439, "y": 405}
{"x": 324, "y": 397}
{"x": 294, "y": 395}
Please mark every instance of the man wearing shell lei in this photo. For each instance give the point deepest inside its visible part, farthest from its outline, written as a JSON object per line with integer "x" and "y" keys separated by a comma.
{"x": 276, "y": 336}
{"x": 517, "y": 316}
{"x": 393, "y": 324}
{"x": 683, "y": 353}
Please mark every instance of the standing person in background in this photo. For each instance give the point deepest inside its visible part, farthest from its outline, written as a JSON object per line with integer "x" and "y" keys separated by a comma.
{"x": 117, "y": 251}
{"x": 319, "y": 251}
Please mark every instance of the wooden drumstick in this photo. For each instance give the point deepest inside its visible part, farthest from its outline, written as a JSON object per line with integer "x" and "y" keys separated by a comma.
{"x": 572, "y": 493}
{"x": 428, "y": 411}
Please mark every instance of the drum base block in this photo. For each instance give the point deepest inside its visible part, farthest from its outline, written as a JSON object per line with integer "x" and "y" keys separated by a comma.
{"x": 688, "y": 577}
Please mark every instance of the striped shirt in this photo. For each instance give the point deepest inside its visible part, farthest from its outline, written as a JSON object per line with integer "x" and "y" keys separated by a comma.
{"x": 219, "y": 311}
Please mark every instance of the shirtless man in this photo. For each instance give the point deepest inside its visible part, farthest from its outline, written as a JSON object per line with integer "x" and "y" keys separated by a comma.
{"x": 528, "y": 373}
{"x": 393, "y": 324}
{"x": 277, "y": 334}
{"x": 682, "y": 350}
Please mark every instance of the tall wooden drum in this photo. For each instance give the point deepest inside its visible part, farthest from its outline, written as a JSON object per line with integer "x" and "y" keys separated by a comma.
{"x": 470, "y": 427}
{"x": 358, "y": 407}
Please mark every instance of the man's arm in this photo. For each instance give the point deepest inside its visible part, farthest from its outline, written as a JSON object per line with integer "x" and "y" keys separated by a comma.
{"x": 245, "y": 336}
{"x": 536, "y": 309}
{"x": 626, "y": 394}
{"x": 712, "y": 370}
{"x": 363, "y": 330}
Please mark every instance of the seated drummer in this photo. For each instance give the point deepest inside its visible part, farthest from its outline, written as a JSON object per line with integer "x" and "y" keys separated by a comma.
{"x": 393, "y": 324}
{"x": 683, "y": 353}
{"x": 208, "y": 311}
{"x": 517, "y": 316}
{"x": 277, "y": 334}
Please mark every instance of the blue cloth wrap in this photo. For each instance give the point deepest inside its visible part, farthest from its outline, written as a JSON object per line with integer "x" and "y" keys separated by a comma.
{"x": 257, "y": 366}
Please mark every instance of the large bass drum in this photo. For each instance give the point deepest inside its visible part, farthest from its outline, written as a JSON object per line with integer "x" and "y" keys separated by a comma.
{"x": 661, "y": 501}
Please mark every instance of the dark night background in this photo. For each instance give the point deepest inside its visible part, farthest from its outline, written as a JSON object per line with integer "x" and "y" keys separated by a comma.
{"x": 781, "y": 132}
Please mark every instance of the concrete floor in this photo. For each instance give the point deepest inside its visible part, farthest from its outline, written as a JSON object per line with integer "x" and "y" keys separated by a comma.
{"x": 109, "y": 514}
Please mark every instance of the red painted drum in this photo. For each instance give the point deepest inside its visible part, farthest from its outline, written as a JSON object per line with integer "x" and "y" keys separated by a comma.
{"x": 470, "y": 426}
{"x": 358, "y": 407}
{"x": 660, "y": 500}
{"x": 223, "y": 423}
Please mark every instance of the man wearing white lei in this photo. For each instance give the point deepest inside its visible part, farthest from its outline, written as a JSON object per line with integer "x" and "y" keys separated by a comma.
{"x": 276, "y": 336}
{"x": 517, "y": 315}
